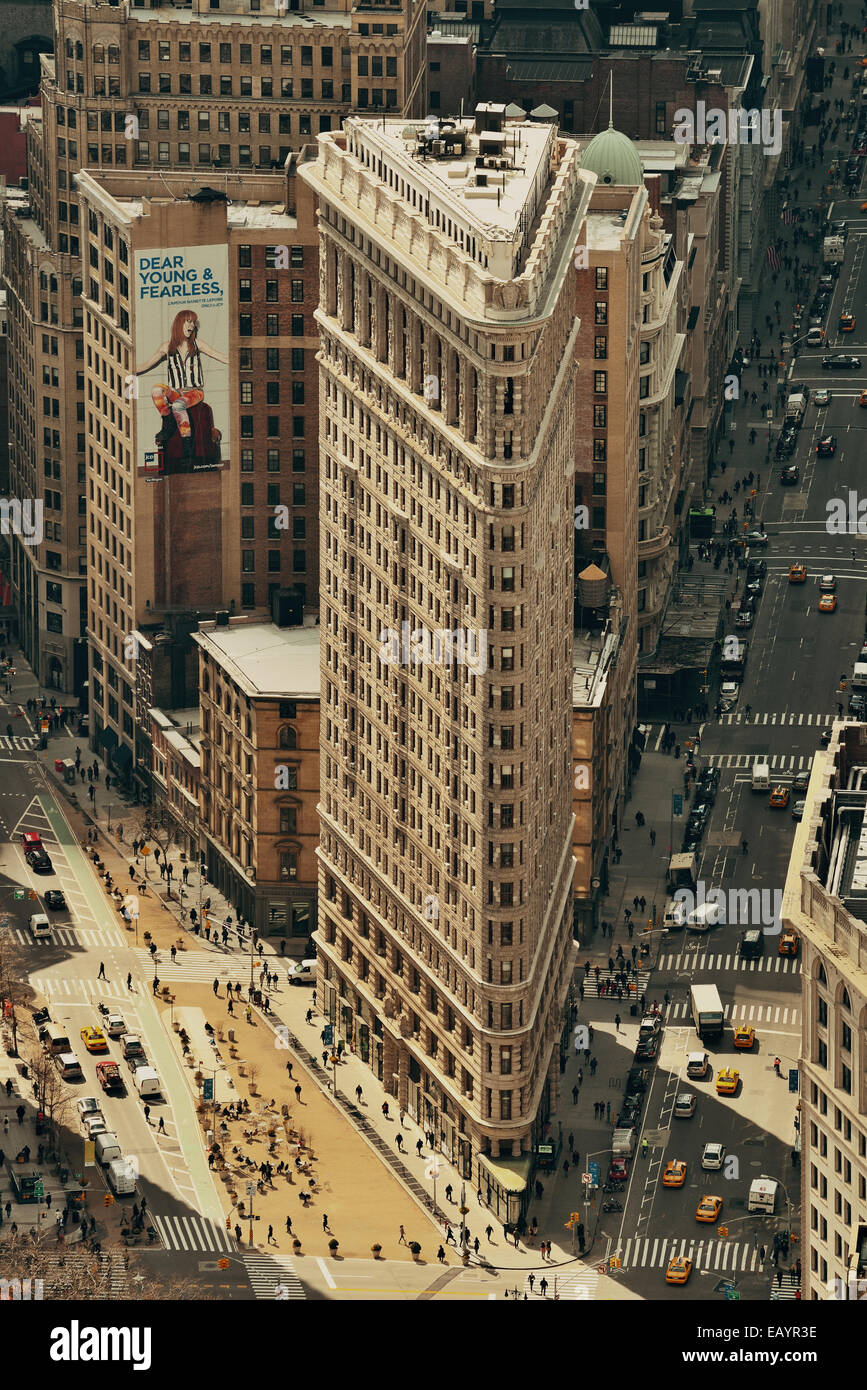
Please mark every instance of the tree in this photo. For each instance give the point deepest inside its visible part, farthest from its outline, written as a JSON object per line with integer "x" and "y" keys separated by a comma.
{"x": 52, "y": 1095}
{"x": 77, "y": 1273}
{"x": 14, "y": 992}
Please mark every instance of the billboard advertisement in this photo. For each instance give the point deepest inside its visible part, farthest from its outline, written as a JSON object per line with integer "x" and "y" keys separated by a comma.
{"x": 181, "y": 385}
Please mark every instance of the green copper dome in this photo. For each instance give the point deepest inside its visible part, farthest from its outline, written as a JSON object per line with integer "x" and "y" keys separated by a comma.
{"x": 613, "y": 158}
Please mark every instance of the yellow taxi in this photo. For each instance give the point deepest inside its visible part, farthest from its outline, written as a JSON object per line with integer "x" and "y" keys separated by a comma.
{"x": 709, "y": 1209}
{"x": 675, "y": 1173}
{"x": 798, "y": 574}
{"x": 745, "y": 1036}
{"x": 789, "y": 943}
{"x": 679, "y": 1270}
{"x": 847, "y": 323}
{"x": 779, "y": 798}
{"x": 94, "y": 1039}
{"x": 827, "y": 603}
{"x": 727, "y": 1081}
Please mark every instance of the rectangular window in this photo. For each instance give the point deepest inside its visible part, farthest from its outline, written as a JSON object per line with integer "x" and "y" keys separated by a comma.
{"x": 600, "y": 347}
{"x": 600, "y": 383}
{"x": 601, "y": 277}
{"x": 601, "y": 311}
{"x": 297, "y": 325}
{"x": 272, "y": 325}
{"x": 600, "y": 450}
{"x": 600, "y": 417}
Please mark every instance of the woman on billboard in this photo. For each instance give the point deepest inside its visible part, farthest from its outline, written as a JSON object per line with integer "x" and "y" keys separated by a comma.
{"x": 185, "y": 388}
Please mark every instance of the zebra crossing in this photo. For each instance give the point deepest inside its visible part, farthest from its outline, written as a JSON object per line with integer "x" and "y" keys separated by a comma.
{"x": 647, "y": 1252}
{"x": 787, "y": 1290}
{"x": 767, "y": 965}
{"x": 749, "y": 1013}
{"x": 582, "y": 1283}
{"x": 18, "y": 743}
{"x": 53, "y": 987}
{"x": 66, "y": 936}
{"x": 196, "y": 967}
{"x": 193, "y": 1233}
{"x": 592, "y": 989}
{"x": 69, "y": 1273}
{"x": 780, "y": 762}
{"x": 273, "y": 1276}
{"x": 783, "y": 717}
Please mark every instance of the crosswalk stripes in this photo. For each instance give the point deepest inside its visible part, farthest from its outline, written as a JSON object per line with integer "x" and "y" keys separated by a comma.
{"x": 197, "y": 967}
{"x": 193, "y": 1233}
{"x": 71, "y": 1272}
{"x": 18, "y": 743}
{"x": 66, "y": 936}
{"x": 648, "y": 1252}
{"x": 54, "y": 988}
{"x": 743, "y": 1013}
{"x": 767, "y": 965}
{"x": 818, "y": 721}
{"x": 591, "y": 989}
{"x": 787, "y": 1290}
{"x": 780, "y": 762}
{"x": 273, "y": 1276}
{"x": 581, "y": 1284}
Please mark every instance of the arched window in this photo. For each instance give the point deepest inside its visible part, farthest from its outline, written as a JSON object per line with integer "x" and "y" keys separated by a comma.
{"x": 113, "y": 53}
{"x": 79, "y": 51}
{"x": 98, "y": 53}
{"x": 845, "y": 1000}
{"x": 288, "y": 737}
{"x": 70, "y": 50}
{"x": 822, "y": 977}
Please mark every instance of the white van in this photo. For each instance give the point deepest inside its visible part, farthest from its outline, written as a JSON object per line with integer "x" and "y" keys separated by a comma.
{"x": 763, "y": 1195}
{"x": 121, "y": 1177}
{"x": 69, "y": 1066}
{"x": 859, "y": 676}
{"x": 107, "y": 1147}
{"x": 40, "y": 925}
{"x": 761, "y": 780}
{"x": 674, "y": 917}
{"x": 146, "y": 1081}
{"x": 303, "y": 972}
{"x": 705, "y": 916}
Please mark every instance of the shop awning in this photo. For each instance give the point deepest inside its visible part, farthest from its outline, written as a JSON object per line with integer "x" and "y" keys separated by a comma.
{"x": 510, "y": 1174}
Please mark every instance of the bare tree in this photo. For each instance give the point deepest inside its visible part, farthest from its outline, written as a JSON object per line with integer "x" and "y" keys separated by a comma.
{"x": 51, "y": 1092}
{"x": 14, "y": 992}
{"x": 79, "y": 1273}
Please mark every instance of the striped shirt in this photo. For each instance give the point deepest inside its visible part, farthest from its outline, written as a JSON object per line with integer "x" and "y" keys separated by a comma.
{"x": 185, "y": 371}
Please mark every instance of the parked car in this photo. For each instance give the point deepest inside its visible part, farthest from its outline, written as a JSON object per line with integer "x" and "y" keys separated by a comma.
{"x": 841, "y": 361}
{"x": 708, "y": 784}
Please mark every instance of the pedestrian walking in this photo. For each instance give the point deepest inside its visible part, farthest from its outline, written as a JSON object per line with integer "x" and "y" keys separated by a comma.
{"x": 418, "y": 1147}
{"x": 324, "y": 1221}
{"x": 298, "y": 1091}
{"x": 385, "y": 1108}
{"x": 288, "y": 1225}
{"x": 489, "y": 1232}
{"x": 617, "y": 1023}
{"x": 762, "y": 1253}
{"x": 574, "y": 1095}
{"x": 398, "y": 1139}
{"x": 161, "y": 1127}
{"x": 593, "y": 1065}
{"x": 358, "y": 1095}
{"x": 101, "y": 975}
{"x": 450, "y": 1237}
{"x": 147, "y": 1113}
{"x": 308, "y": 1017}
{"x": 271, "y": 1240}
{"x": 571, "y": 1142}
{"x": 531, "y": 1279}
{"x": 448, "y": 1190}
{"x": 608, "y": 1111}
{"x": 543, "y": 1286}
{"x": 402, "y": 1240}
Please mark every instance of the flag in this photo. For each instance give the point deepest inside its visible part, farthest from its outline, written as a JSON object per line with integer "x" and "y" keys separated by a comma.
{"x": 788, "y": 216}
{"x": 773, "y": 258}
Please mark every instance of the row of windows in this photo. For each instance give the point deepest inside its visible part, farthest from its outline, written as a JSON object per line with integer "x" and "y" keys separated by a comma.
{"x": 248, "y": 561}
{"x": 163, "y": 53}
{"x": 166, "y": 86}
{"x": 272, "y": 325}
{"x": 272, "y": 426}
{"x": 273, "y": 364}
{"x": 299, "y": 461}
{"x": 212, "y": 154}
{"x": 272, "y": 394}
{"x": 272, "y": 291}
{"x": 245, "y": 256}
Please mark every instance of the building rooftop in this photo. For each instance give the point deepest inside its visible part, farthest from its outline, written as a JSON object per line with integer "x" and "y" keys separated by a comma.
{"x": 592, "y": 655}
{"x": 320, "y": 19}
{"x": 437, "y": 159}
{"x": 613, "y": 157}
{"x": 266, "y": 661}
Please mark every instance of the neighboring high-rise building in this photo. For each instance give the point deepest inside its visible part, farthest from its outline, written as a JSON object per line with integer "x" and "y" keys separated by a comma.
{"x": 209, "y": 88}
{"x": 825, "y": 902}
{"x": 448, "y": 331}
{"x": 193, "y": 463}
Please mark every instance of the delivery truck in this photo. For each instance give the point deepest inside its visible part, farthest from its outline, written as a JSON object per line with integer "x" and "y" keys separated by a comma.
{"x": 833, "y": 250}
{"x": 623, "y": 1143}
{"x": 707, "y": 1011}
{"x": 763, "y": 1195}
{"x": 121, "y": 1177}
{"x": 796, "y": 409}
{"x": 681, "y": 872}
{"x": 761, "y": 779}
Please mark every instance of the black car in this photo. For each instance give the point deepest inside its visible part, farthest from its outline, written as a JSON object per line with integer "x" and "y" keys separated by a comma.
{"x": 39, "y": 861}
{"x": 647, "y": 1049}
{"x": 801, "y": 780}
{"x": 790, "y": 474}
{"x": 841, "y": 361}
{"x": 691, "y": 841}
{"x": 637, "y": 1081}
{"x": 708, "y": 784}
{"x": 753, "y": 589}
{"x": 858, "y": 705}
{"x": 629, "y": 1116}
{"x": 757, "y": 569}
{"x": 54, "y": 900}
{"x": 827, "y": 446}
{"x": 842, "y": 228}
{"x": 787, "y": 443}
